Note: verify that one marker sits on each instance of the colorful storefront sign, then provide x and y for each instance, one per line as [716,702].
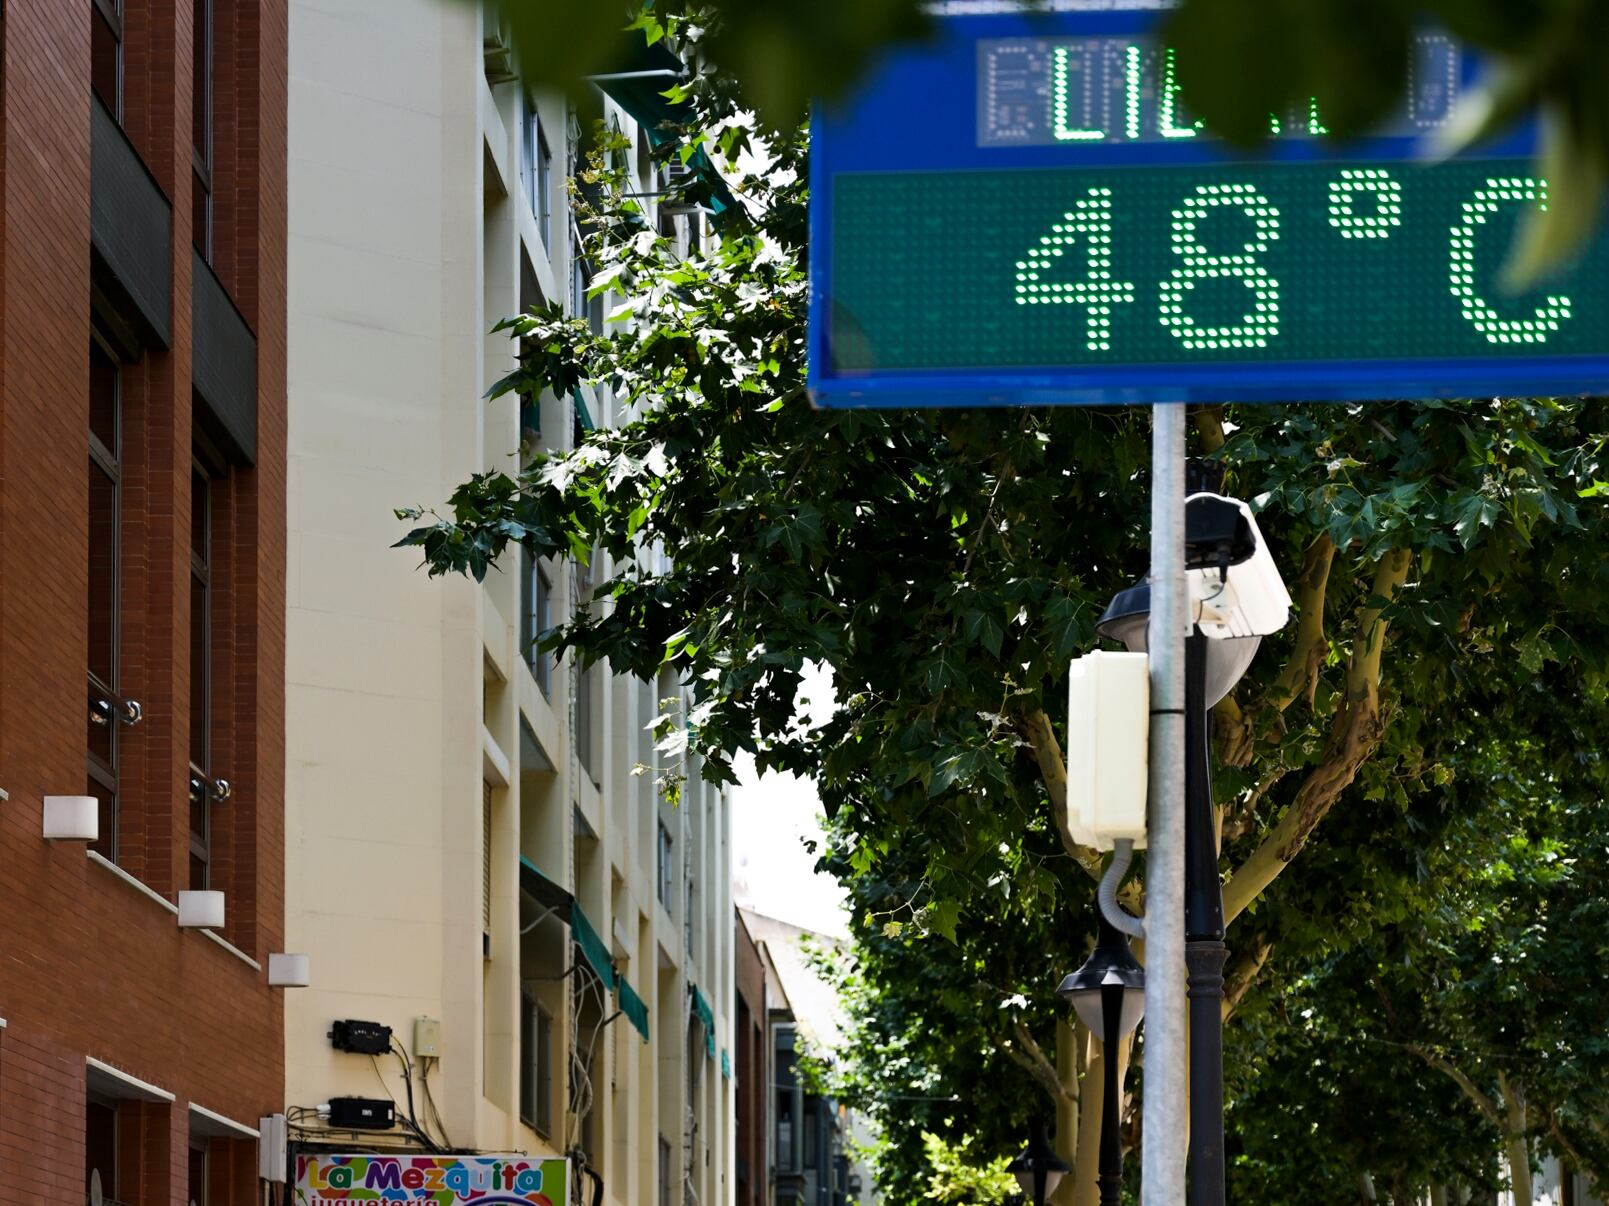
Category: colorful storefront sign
[324,1180]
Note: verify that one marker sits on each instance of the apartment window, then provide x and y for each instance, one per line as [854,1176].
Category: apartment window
[201,131]
[538,172]
[100,1149]
[585,745]
[787,1159]
[667,859]
[106,54]
[536,618]
[105,497]
[536,1071]
[207,790]
[198,1174]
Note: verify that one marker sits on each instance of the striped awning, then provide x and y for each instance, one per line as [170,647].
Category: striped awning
[633,1006]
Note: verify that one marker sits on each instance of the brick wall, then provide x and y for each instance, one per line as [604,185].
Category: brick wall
[89,965]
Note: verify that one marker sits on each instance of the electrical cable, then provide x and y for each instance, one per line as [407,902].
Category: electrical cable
[412,1123]
[401,1053]
[430,1100]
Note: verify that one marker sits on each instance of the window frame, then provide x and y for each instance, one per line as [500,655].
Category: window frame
[538,173]
[104,702]
[208,468]
[536,618]
[665,879]
[110,11]
[536,1068]
[201,158]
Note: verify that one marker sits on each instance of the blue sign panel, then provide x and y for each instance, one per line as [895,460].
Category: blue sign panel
[1026,214]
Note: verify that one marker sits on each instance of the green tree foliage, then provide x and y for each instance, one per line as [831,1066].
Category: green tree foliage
[945,566]
[959,1178]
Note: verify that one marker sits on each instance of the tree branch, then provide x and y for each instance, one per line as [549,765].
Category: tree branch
[1299,676]
[1028,1054]
[1357,732]
[1242,973]
[1041,738]
[1483,1103]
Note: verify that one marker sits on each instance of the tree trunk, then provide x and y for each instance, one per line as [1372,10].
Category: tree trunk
[1366,1187]
[1070,1040]
[1514,1143]
[1438,1195]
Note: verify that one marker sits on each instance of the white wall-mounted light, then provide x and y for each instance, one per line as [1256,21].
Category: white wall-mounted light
[72,819]
[289,970]
[200,910]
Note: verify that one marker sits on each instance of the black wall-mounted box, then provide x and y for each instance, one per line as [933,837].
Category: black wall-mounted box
[363,1113]
[363,1038]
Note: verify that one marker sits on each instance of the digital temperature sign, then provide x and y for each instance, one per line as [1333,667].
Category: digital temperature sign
[1025,213]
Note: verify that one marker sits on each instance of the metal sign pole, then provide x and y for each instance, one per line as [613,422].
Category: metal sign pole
[1165,1129]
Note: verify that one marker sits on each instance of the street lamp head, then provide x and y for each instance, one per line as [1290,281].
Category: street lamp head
[1127,619]
[1038,1168]
[1110,965]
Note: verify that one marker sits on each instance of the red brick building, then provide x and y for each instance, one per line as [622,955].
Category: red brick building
[142,549]
[751,1025]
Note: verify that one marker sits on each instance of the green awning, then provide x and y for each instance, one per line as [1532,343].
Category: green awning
[581,411]
[546,894]
[543,891]
[701,1010]
[640,96]
[726,1064]
[633,1006]
[591,946]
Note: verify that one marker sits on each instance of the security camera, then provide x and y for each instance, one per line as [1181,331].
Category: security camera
[1235,590]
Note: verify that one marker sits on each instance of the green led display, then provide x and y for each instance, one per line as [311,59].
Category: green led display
[1196,264]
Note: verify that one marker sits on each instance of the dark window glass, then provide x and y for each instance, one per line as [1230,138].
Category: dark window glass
[106,54]
[201,130]
[101,606]
[100,1148]
[667,858]
[200,678]
[665,1195]
[785,1155]
[106,812]
[536,617]
[538,172]
[198,1176]
[102,570]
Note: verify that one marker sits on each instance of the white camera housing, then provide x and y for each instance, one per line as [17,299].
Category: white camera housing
[1249,599]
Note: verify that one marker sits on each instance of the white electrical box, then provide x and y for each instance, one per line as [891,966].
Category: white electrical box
[271,1139]
[427,1038]
[1108,744]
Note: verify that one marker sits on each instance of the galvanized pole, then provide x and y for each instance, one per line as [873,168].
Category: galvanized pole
[1164,1118]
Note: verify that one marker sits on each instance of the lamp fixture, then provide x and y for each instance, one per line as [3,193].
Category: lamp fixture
[289,970]
[1038,1169]
[200,910]
[71,819]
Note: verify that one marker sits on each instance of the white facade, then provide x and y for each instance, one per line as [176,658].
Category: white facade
[436,773]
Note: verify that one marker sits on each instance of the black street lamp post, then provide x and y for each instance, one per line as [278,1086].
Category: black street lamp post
[1204,949]
[1109,994]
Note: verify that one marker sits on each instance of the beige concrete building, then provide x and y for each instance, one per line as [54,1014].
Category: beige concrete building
[472,860]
